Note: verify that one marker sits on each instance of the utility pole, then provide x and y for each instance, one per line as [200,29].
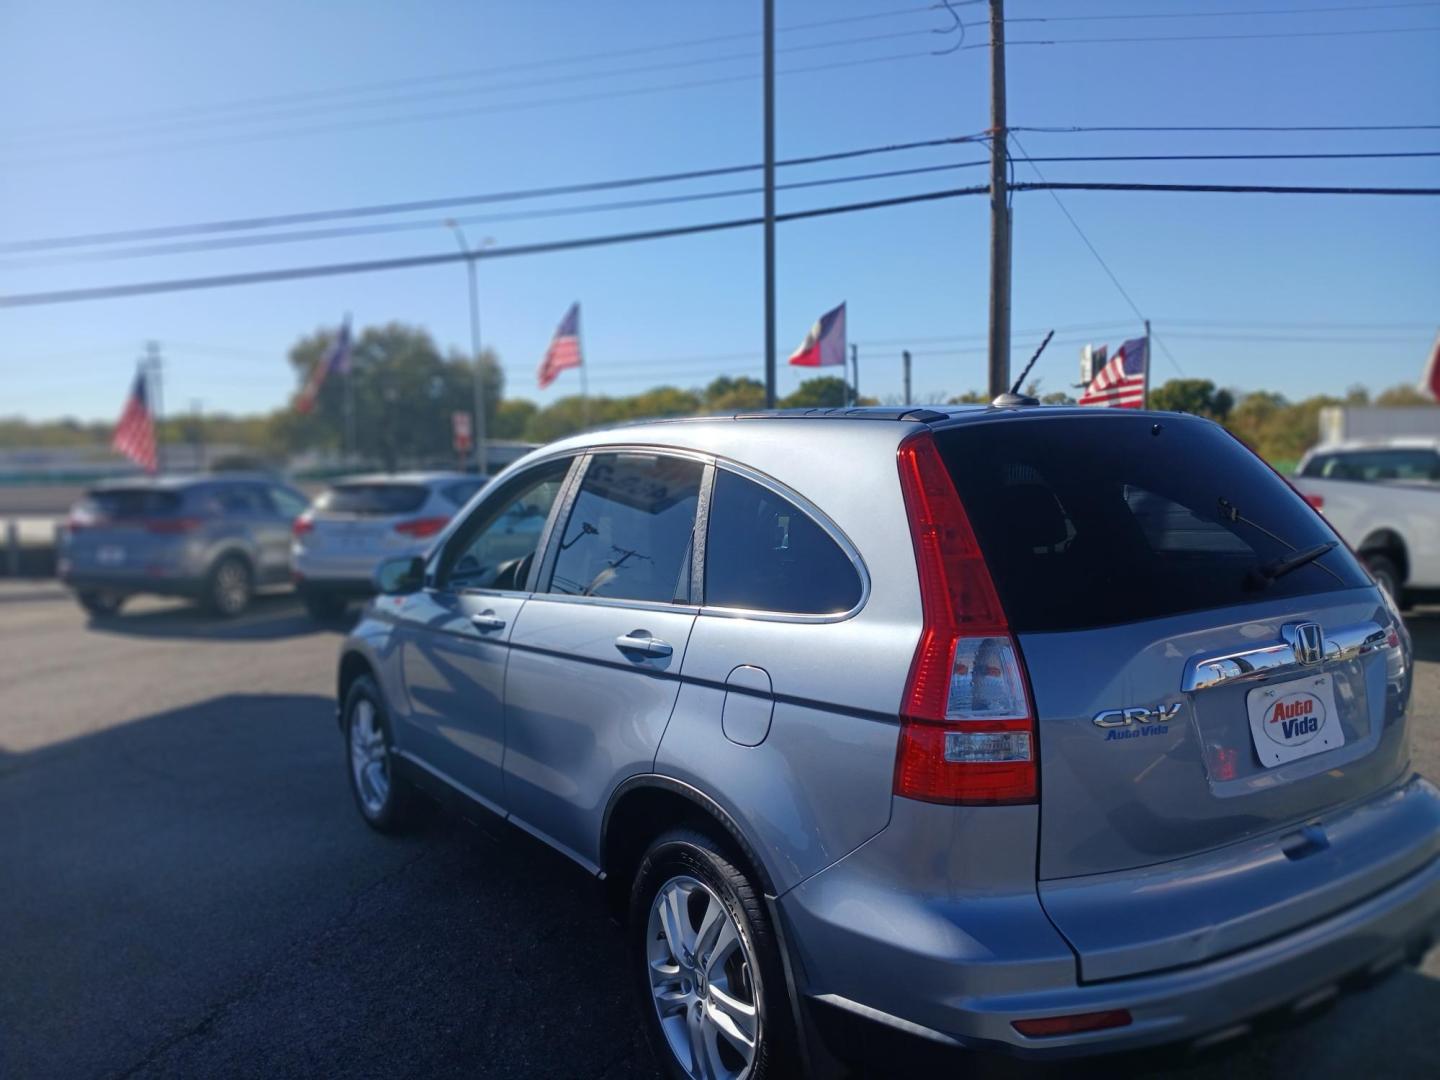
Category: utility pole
[999,209]
[478,378]
[155,376]
[769,50]
[905,361]
[855,362]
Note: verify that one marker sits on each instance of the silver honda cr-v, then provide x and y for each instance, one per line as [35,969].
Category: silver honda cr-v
[1049,731]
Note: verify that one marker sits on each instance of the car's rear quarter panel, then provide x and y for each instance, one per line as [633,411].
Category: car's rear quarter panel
[819,784]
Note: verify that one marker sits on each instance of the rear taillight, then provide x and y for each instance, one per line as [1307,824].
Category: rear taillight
[1316,501]
[967,728]
[303,525]
[422,527]
[172,526]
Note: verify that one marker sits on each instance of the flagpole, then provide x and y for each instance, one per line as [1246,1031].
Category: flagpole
[1145,399]
[348,440]
[154,376]
[584,378]
[769,105]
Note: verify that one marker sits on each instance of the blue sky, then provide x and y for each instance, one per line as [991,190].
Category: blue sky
[119,116]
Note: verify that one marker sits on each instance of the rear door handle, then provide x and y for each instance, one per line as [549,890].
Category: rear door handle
[487,620]
[639,641]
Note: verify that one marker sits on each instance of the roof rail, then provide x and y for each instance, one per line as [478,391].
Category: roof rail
[915,413]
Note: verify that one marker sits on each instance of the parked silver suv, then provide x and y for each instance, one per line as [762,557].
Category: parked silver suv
[1050,731]
[212,538]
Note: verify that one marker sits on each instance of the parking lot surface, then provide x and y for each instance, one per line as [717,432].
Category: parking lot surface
[187,891]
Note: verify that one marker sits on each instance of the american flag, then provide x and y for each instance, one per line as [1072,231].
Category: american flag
[1121,383]
[135,430]
[336,361]
[564,350]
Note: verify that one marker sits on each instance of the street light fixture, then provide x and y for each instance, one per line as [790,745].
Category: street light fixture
[481,456]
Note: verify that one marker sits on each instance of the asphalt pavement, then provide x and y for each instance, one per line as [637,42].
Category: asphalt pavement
[187,891]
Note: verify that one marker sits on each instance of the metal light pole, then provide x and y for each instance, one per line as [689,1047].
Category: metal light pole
[481,454]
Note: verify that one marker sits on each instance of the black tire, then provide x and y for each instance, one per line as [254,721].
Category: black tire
[323,606]
[694,854]
[229,587]
[100,603]
[1387,575]
[403,807]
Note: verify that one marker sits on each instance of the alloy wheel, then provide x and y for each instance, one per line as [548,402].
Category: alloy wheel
[232,587]
[369,761]
[701,977]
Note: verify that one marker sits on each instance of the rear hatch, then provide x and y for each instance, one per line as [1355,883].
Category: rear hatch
[1205,726]
[353,524]
[119,531]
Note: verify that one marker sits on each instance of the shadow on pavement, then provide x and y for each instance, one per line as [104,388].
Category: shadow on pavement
[270,617]
[1425,633]
[194,894]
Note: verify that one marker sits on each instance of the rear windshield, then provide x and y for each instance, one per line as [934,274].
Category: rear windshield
[377,499]
[1095,521]
[117,503]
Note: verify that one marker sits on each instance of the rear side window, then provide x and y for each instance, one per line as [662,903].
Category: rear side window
[763,553]
[630,531]
[121,503]
[1091,522]
[239,500]
[1376,465]
[376,499]
[458,493]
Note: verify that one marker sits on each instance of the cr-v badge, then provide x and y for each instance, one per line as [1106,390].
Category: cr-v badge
[1152,719]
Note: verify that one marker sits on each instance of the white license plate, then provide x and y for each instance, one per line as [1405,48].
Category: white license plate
[1294,719]
[110,555]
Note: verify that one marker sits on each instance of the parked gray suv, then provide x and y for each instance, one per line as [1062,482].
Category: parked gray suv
[214,539]
[1050,731]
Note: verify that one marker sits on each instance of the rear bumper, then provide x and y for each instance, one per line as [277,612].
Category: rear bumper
[338,585]
[913,969]
[157,583]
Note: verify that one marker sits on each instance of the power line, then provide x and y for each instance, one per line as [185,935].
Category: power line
[472,110]
[416,261]
[146,288]
[1223,37]
[390,101]
[1114,280]
[344,232]
[350,231]
[1237,189]
[385,85]
[1231,13]
[1071,129]
[381,209]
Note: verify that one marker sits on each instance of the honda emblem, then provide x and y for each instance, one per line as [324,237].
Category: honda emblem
[1309,643]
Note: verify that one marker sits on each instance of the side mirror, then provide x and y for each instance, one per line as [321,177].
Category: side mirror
[400,575]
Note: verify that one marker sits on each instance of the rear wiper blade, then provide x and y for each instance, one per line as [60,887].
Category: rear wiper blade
[1265,573]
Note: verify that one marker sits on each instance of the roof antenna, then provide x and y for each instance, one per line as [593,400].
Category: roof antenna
[1013,396]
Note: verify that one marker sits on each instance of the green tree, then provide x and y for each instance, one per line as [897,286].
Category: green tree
[826,391]
[662,401]
[1402,395]
[1197,396]
[970,397]
[404,392]
[512,418]
[727,394]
